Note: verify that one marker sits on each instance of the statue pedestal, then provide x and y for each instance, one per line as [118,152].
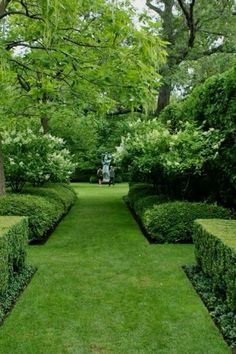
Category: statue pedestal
[105,180]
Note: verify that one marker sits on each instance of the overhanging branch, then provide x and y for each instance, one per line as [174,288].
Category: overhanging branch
[154,8]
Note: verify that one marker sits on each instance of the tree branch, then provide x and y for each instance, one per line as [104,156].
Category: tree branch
[154,8]
[189,16]
[4,13]
[83,44]
[3,7]
[124,111]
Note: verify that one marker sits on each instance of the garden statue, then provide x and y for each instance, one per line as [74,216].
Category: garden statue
[106,160]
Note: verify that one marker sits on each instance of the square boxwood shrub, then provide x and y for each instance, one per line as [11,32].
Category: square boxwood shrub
[173,221]
[13,241]
[41,212]
[215,250]
[139,190]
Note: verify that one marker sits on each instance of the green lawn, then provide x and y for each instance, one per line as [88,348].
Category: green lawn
[101,288]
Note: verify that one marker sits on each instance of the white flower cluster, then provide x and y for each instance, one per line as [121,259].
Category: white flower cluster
[150,144]
[35,158]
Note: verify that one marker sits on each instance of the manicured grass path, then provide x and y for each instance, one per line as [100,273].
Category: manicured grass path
[101,288]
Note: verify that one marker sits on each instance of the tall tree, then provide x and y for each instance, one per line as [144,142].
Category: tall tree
[194,29]
[67,52]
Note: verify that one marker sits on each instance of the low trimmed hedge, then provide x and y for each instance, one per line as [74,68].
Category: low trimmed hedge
[138,191]
[142,204]
[61,194]
[44,207]
[215,249]
[174,221]
[13,241]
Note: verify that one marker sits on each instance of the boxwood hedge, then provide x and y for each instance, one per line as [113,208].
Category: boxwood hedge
[215,249]
[174,221]
[13,241]
[44,207]
[138,191]
[142,204]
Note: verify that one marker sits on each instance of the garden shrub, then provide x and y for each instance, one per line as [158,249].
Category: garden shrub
[42,214]
[59,194]
[118,178]
[13,241]
[93,179]
[139,190]
[174,221]
[35,158]
[215,249]
[80,175]
[211,105]
[142,204]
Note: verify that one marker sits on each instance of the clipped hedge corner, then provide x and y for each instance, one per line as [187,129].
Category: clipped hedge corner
[215,250]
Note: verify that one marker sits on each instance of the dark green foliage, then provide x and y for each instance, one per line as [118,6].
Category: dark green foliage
[142,204]
[42,214]
[17,283]
[174,221]
[139,190]
[215,250]
[118,179]
[44,206]
[82,175]
[93,179]
[222,315]
[213,106]
[59,194]
[13,241]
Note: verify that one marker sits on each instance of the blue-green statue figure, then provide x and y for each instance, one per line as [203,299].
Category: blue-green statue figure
[106,160]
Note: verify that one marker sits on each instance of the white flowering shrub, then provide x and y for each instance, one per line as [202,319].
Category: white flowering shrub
[152,146]
[35,158]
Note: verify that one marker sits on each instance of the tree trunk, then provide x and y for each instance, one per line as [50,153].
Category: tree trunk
[163,97]
[44,123]
[2,175]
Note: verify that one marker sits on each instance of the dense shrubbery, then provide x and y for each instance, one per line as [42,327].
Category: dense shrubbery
[44,207]
[80,175]
[138,191]
[169,221]
[35,159]
[212,105]
[93,179]
[60,194]
[142,204]
[173,221]
[189,151]
[215,249]
[13,241]
[17,283]
[14,272]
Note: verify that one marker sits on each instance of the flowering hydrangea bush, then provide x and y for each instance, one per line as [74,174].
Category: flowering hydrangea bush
[150,145]
[35,158]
